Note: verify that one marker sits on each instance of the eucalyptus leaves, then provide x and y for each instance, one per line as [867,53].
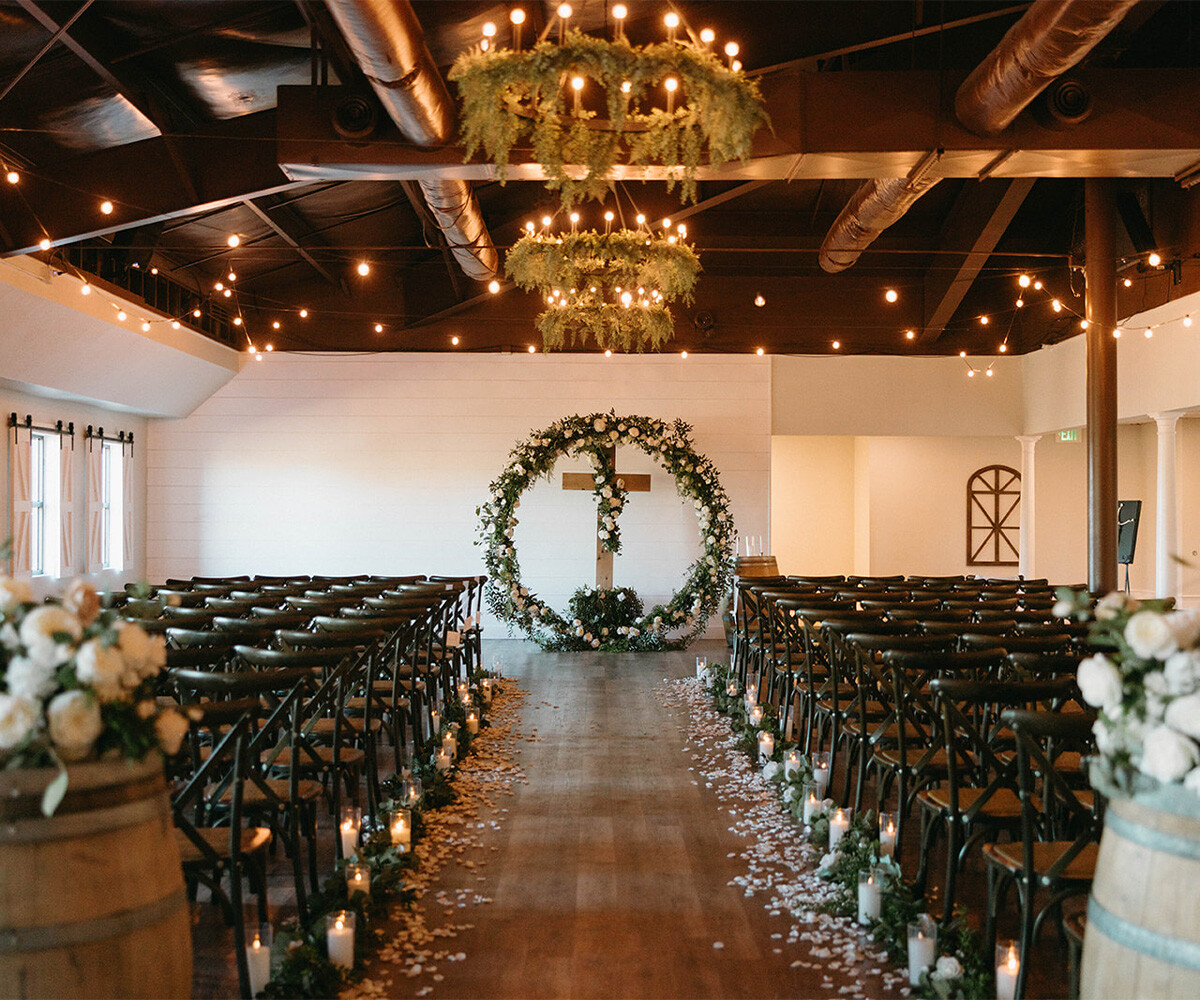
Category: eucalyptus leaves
[513,97]
[669,625]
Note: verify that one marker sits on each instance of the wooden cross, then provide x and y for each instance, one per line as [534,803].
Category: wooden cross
[585,481]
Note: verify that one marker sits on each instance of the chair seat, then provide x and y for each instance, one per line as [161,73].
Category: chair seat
[359,705]
[255,838]
[1004,804]
[350,757]
[937,762]
[1082,868]
[325,727]
[252,795]
[890,734]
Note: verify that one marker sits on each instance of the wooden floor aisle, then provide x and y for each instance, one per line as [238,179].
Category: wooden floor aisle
[613,862]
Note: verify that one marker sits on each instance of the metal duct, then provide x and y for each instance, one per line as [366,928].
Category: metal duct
[874,206]
[1051,37]
[386,39]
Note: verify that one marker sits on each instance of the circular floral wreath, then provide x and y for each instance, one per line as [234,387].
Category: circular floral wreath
[665,626]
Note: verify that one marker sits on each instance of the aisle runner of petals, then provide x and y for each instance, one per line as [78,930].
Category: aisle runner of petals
[781,865]
[422,934]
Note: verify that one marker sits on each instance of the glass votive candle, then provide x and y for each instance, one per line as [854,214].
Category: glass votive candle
[812,801]
[339,937]
[485,690]
[756,715]
[258,958]
[839,823]
[450,745]
[887,835]
[358,879]
[442,761]
[766,746]
[731,688]
[349,829]
[922,947]
[400,827]
[435,722]
[870,896]
[411,791]
[791,763]
[701,667]
[464,690]
[1008,968]
[820,768]
[472,722]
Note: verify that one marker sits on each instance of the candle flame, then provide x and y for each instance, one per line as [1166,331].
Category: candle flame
[1012,962]
[338,925]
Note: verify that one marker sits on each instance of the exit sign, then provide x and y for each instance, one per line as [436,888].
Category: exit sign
[1071,435]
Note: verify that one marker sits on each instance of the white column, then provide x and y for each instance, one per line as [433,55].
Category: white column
[1166,536]
[1025,564]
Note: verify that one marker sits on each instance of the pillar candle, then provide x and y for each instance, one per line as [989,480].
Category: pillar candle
[791,763]
[258,958]
[756,715]
[870,896]
[887,835]
[766,746]
[472,723]
[821,773]
[349,829]
[811,802]
[485,690]
[701,667]
[339,937]
[450,745]
[922,947]
[1008,967]
[400,823]
[731,689]
[839,823]
[442,763]
[435,722]
[358,879]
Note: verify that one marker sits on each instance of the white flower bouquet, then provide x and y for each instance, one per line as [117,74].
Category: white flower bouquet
[78,684]
[1144,680]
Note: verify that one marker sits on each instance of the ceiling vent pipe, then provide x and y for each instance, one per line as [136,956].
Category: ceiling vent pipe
[386,39]
[874,206]
[1051,37]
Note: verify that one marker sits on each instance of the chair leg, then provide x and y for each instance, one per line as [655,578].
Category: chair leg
[931,825]
[953,835]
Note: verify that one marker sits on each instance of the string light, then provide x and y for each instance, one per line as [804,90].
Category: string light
[12,177]
[122,315]
[219,286]
[364,268]
[983,321]
[196,312]
[1037,285]
[910,334]
[175,324]
[379,328]
[683,354]
[608,352]
[489,30]
[493,286]
[1187,320]
[1084,324]
[1154,259]
[1020,303]
[1128,282]
[44,243]
[232,276]
[891,295]
[145,326]
[708,36]
[564,11]
[760,300]
[1024,281]
[228,293]
[1056,305]
[237,320]
[760,352]
[304,314]
[1149,332]
[837,345]
[1117,333]
[454,341]
[234,240]
[532,349]
[106,207]
[1004,348]
[275,325]
[270,347]
[517,16]
[85,289]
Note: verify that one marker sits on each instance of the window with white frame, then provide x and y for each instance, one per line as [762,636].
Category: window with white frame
[44,534]
[112,506]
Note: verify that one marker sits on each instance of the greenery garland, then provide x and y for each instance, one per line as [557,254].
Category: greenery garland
[962,972]
[592,435]
[610,287]
[509,97]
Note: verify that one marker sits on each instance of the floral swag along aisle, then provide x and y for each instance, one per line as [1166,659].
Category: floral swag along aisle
[608,619]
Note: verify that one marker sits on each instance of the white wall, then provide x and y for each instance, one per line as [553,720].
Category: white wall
[812,504]
[345,464]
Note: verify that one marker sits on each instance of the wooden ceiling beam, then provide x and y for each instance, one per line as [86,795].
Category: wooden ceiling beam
[978,219]
[286,223]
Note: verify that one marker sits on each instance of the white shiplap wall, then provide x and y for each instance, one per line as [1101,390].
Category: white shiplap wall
[339,464]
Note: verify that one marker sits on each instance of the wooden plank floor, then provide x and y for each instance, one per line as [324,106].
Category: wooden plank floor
[612,870]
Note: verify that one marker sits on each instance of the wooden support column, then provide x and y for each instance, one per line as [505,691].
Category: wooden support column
[1101,275]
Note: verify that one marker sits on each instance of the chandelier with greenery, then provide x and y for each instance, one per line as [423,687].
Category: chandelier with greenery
[668,104]
[612,287]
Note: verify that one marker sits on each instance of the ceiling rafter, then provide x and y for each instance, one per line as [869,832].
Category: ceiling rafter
[288,226]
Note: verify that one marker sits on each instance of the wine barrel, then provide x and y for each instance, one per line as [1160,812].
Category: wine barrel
[1143,926]
[751,566]
[92,902]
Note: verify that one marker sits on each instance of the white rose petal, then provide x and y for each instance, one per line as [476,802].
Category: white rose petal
[1168,755]
[18,718]
[1185,626]
[39,629]
[74,724]
[32,679]
[1183,715]
[1100,682]
[1150,636]
[1182,671]
[948,967]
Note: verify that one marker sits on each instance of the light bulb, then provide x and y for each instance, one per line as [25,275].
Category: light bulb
[983,320]
[219,286]
[683,354]
[12,177]
[608,353]
[891,295]
[641,219]
[379,328]
[489,30]
[1056,305]
[1037,285]
[666,223]
[962,354]
[227,293]
[454,341]
[232,276]
[970,373]
[145,326]
[759,352]
[532,349]
[517,16]
[121,315]
[564,11]
[671,20]
[44,243]
[1084,324]
[1117,333]
[708,36]
[1149,332]
[681,229]
[626,299]
[251,349]
[545,220]
[736,65]
[196,313]
[608,216]
[671,84]
[837,345]
[988,373]
[620,12]
[1024,280]
[364,268]
[154,270]
[760,301]
[275,325]
[1004,348]
[234,240]
[237,320]
[1187,320]
[577,83]
[626,86]
[1154,259]
[574,217]
[85,289]
[106,207]
[270,347]
[175,324]
[1020,303]
[731,49]
[258,357]
[304,314]
[493,286]
[1128,283]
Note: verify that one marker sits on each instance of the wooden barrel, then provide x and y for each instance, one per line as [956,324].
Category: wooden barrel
[92,902]
[1143,926]
[750,566]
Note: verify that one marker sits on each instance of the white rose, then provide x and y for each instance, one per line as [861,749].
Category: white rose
[579,631]
[595,643]
[1062,609]
[13,593]
[1168,755]
[1183,715]
[829,860]
[587,636]
[18,718]
[1100,682]
[1185,626]
[1126,734]
[948,967]
[170,728]
[81,600]
[1150,636]
[1182,670]
[599,424]
[1109,606]
[144,654]
[603,533]
[771,770]
[1155,685]
[102,667]
[40,629]
[74,722]
[30,679]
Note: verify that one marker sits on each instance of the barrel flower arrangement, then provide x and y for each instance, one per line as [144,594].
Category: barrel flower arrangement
[1144,682]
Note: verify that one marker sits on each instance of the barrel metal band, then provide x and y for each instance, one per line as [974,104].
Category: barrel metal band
[1171,951]
[1154,840]
[52,937]
[85,823]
